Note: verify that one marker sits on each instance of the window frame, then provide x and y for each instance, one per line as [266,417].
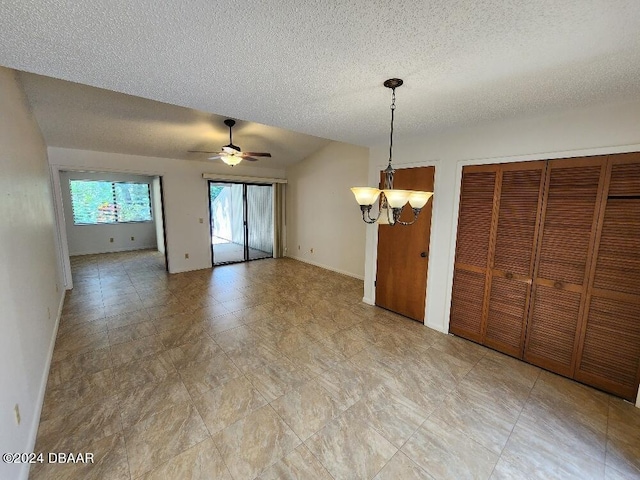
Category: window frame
[113,193]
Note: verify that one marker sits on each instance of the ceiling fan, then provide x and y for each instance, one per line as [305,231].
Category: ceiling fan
[232,154]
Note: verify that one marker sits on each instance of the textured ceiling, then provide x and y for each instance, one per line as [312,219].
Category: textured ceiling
[317,66]
[72,115]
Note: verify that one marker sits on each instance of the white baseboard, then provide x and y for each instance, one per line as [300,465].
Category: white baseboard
[436,326]
[115,250]
[326,267]
[33,431]
[368,301]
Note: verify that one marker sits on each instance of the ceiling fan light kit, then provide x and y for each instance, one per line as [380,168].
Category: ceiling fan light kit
[392,201]
[231,160]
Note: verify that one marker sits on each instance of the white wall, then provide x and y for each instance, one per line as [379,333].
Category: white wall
[157,213]
[186,196]
[321,212]
[589,131]
[86,239]
[30,282]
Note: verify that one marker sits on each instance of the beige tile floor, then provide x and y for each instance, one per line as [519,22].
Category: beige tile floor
[276,369]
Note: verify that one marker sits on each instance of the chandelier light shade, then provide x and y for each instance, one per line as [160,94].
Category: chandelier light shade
[366,195]
[392,201]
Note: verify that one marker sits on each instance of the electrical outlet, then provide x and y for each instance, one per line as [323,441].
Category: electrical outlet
[111,240]
[186,255]
[16,409]
[133,238]
[201,220]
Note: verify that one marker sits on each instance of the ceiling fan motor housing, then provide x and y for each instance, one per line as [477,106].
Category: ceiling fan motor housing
[231,146]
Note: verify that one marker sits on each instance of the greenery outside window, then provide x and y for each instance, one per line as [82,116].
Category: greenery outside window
[100,202]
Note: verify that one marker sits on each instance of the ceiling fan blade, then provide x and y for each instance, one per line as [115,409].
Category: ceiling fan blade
[249,159]
[201,151]
[215,157]
[257,154]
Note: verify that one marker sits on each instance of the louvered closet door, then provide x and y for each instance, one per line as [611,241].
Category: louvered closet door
[472,250]
[568,224]
[521,189]
[610,342]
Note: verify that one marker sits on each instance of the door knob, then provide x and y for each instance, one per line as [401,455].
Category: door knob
[423,254]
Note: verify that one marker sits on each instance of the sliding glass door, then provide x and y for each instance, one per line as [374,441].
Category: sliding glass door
[241,219]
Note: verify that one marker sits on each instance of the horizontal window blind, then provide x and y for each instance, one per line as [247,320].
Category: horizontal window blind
[101,202]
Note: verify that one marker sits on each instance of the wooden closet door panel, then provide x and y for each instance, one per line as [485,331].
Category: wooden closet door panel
[467,300]
[507,315]
[472,251]
[569,222]
[571,202]
[512,264]
[520,197]
[551,333]
[610,344]
[474,219]
[618,254]
[611,348]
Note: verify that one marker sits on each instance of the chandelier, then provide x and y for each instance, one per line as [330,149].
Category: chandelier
[392,201]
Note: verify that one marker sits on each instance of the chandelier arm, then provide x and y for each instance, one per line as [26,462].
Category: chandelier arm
[416,212]
[366,209]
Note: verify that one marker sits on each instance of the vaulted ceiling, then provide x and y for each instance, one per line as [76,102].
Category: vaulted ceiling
[317,67]
[73,115]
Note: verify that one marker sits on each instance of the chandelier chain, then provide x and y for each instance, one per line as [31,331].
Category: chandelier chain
[393,108]
[392,201]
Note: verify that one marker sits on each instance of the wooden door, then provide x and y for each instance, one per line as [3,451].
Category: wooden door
[511,267]
[471,273]
[403,251]
[609,353]
[571,201]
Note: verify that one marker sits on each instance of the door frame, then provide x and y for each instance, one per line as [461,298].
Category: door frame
[245,216]
[164,223]
[372,233]
[61,240]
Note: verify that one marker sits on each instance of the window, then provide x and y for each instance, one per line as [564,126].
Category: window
[97,201]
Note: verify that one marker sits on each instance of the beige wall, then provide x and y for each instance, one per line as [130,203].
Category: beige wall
[87,239]
[185,195]
[30,284]
[595,130]
[322,213]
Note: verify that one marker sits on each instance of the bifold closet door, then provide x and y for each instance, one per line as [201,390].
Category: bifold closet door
[475,220]
[609,353]
[497,230]
[512,263]
[571,202]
